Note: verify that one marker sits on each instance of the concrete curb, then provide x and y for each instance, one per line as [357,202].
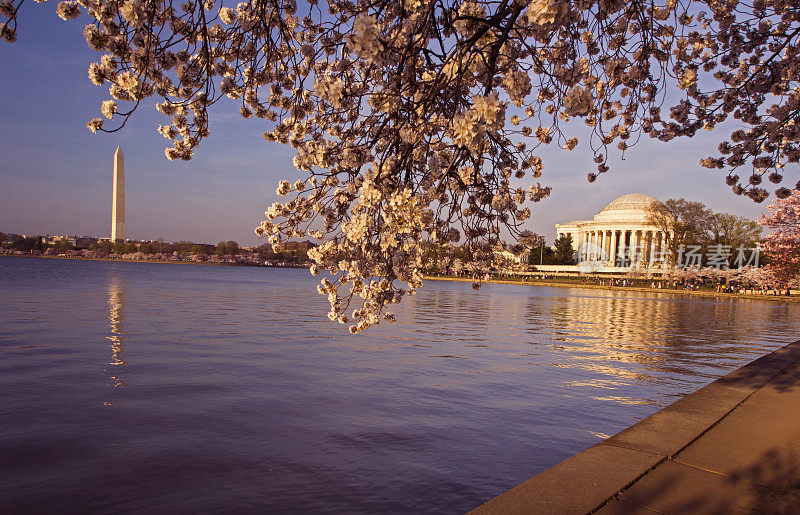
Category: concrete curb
[587,481]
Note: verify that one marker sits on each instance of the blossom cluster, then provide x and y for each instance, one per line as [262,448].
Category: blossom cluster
[782,245]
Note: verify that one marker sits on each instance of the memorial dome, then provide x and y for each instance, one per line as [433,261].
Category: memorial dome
[632,207]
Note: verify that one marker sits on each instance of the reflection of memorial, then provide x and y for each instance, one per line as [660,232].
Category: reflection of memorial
[116,316]
[617,337]
[612,321]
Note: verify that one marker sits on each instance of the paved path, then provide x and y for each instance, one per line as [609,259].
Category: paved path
[731,447]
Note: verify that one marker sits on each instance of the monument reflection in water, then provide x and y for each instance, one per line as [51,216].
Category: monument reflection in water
[116,317]
[625,348]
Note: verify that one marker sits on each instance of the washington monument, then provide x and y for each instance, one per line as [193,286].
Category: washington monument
[118,202]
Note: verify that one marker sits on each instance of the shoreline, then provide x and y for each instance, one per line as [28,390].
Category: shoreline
[545,283]
[640,289]
[157,261]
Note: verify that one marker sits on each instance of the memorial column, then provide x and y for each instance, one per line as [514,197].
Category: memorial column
[603,254]
[612,258]
[652,258]
[623,245]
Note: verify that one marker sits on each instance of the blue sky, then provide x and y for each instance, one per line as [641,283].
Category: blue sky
[55,175]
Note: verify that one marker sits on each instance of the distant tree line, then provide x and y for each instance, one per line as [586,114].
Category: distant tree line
[294,252]
[687,223]
[458,259]
[22,243]
[539,253]
[267,253]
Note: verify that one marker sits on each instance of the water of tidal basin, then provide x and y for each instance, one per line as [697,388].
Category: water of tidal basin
[175,388]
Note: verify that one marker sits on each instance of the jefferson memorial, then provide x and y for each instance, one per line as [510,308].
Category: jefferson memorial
[619,235]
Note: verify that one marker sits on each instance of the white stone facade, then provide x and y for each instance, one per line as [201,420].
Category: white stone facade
[619,235]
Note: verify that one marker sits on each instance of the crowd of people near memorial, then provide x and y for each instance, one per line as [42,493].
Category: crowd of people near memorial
[693,284]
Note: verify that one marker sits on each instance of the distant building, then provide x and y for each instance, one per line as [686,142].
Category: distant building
[619,233]
[298,245]
[52,240]
[508,256]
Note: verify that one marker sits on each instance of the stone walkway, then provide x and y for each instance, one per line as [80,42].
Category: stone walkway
[731,447]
